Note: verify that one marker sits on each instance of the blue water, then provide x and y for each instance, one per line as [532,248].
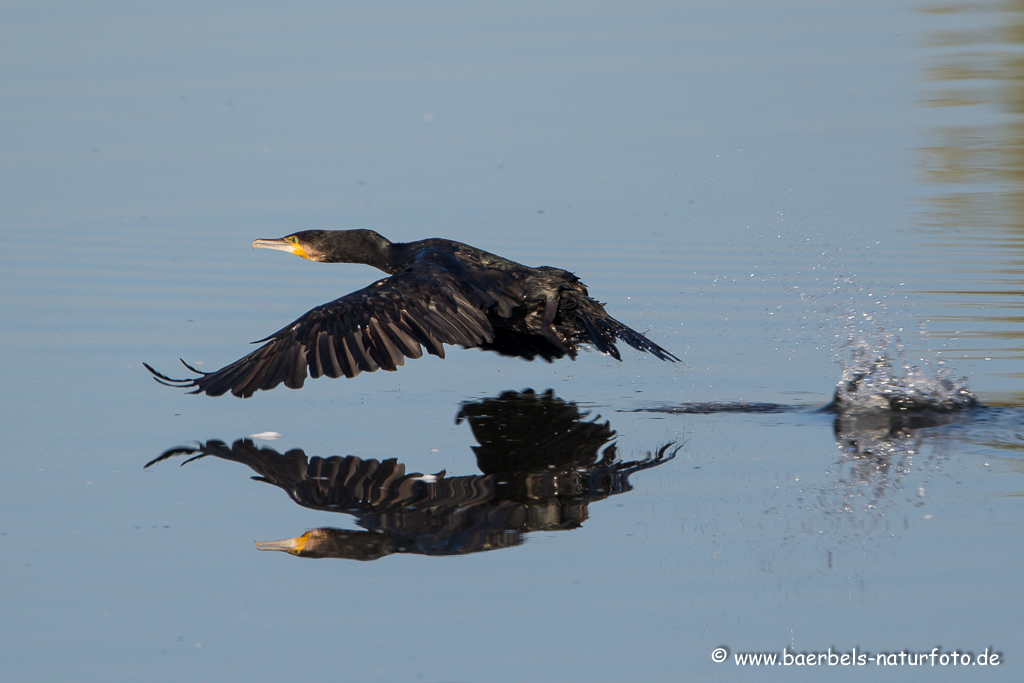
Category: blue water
[759,187]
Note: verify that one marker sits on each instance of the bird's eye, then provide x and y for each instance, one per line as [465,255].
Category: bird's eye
[293,239]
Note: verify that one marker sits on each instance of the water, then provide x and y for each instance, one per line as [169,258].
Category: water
[762,188]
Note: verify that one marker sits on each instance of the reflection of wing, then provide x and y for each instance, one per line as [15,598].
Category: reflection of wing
[345,483]
[429,304]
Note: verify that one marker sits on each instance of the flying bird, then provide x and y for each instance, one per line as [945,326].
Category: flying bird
[438,292]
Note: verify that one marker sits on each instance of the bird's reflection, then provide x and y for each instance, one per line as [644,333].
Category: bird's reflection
[542,462]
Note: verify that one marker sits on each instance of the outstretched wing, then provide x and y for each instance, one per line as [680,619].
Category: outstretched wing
[436,301]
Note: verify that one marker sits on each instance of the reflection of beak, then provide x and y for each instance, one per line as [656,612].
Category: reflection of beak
[280,245]
[288,545]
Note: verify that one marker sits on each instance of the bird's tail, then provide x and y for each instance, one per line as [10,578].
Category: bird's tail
[603,331]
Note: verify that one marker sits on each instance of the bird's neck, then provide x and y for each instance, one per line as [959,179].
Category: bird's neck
[366,247]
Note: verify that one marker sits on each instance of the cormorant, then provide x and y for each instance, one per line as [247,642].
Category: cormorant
[439,292]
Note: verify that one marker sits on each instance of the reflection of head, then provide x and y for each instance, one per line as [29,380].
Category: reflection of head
[341,543]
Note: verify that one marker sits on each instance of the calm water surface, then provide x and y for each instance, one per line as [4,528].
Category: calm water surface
[762,188]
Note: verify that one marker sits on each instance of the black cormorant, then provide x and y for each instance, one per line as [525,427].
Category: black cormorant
[439,292]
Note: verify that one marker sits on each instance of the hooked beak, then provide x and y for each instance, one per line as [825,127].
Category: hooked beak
[282,244]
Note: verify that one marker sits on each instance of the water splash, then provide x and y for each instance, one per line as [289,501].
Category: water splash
[870,382]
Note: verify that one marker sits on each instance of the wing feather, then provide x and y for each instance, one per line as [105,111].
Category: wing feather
[433,302]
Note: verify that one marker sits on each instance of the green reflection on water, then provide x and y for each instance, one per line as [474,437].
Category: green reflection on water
[975,78]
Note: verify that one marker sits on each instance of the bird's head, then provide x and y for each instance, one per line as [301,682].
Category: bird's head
[307,244]
[332,246]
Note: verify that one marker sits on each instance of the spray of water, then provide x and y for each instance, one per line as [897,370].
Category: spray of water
[872,380]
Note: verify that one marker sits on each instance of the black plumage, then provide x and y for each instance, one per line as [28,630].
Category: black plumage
[439,292]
